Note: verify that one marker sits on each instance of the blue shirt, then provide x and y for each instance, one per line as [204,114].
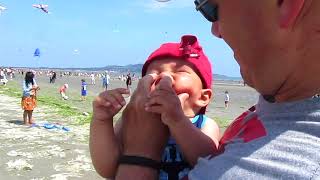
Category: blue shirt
[173,155]
[27,88]
[83,88]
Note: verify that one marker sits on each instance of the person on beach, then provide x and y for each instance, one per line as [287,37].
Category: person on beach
[105,81]
[29,97]
[3,79]
[63,91]
[93,78]
[188,69]
[226,99]
[83,90]
[53,77]
[128,81]
[276,43]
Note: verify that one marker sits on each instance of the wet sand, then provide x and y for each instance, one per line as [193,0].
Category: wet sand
[40,153]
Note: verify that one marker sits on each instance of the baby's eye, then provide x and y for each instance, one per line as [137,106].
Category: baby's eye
[182,71]
[153,72]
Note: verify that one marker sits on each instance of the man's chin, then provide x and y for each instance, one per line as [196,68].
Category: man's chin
[246,79]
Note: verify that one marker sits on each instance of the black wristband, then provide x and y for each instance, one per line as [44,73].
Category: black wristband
[140,161]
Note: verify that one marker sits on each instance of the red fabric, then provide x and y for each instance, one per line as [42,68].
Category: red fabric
[29,103]
[190,50]
[62,89]
[245,129]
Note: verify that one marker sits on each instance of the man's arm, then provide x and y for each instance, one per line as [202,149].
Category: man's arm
[143,134]
[126,172]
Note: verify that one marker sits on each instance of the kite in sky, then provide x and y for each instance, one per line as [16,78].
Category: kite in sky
[76,51]
[43,7]
[37,53]
[2,8]
[162,0]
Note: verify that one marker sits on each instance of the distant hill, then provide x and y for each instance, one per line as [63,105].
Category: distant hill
[133,68]
[136,68]
[224,77]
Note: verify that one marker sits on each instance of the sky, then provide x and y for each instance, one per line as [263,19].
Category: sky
[96,33]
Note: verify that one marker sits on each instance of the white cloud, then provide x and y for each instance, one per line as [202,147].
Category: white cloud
[115,30]
[154,6]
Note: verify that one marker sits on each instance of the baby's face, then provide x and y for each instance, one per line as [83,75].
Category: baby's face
[185,79]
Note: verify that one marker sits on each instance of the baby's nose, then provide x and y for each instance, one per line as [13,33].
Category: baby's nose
[163,75]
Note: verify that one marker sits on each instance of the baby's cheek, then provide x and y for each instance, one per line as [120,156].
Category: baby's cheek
[186,85]
[183,89]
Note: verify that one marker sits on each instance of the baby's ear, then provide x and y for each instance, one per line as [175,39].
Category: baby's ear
[204,99]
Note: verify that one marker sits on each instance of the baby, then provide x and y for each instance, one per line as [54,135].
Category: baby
[182,109]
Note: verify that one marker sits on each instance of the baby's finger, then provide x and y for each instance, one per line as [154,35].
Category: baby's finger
[100,101]
[146,82]
[155,93]
[165,83]
[154,109]
[161,92]
[183,97]
[112,100]
[102,98]
[122,90]
[117,94]
[157,100]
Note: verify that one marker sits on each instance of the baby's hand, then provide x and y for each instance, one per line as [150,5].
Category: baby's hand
[108,104]
[164,100]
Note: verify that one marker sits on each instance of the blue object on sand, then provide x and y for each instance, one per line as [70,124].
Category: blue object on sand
[51,126]
[35,125]
[65,128]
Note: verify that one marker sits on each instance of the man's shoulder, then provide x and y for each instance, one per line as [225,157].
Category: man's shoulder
[286,156]
[264,149]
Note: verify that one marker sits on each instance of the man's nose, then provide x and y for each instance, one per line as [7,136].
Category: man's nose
[215,30]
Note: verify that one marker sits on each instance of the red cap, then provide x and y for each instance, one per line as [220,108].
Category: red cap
[190,50]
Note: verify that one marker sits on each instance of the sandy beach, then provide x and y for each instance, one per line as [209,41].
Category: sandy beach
[241,97]
[40,153]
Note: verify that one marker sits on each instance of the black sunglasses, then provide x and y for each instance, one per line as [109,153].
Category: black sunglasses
[209,11]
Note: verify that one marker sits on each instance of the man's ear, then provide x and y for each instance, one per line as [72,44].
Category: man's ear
[204,99]
[289,12]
